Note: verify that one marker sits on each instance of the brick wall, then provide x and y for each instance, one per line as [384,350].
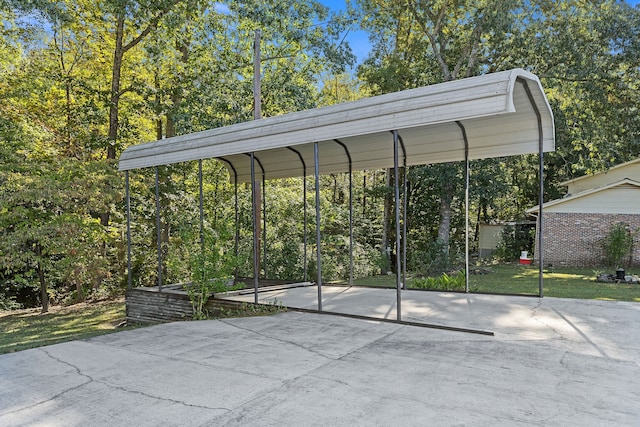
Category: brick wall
[575,239]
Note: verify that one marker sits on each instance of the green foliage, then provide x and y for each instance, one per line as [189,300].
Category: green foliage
[68,98]
[586,55]
[445,282]
[428,258]
[618,245]
[211,271]
[199,293]
[514,240]
[191,69]
[50,237]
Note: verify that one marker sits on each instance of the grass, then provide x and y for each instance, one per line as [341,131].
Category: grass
[523,280]
[23,329]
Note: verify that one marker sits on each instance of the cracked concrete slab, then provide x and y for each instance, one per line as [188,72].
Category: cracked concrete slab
[563,321]
[551,362]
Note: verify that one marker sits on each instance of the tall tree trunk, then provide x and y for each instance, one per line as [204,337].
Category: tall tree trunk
[79,293]
[114,99]
[165,172]
[116,71]
[444,226]
[44,296]
[182,46]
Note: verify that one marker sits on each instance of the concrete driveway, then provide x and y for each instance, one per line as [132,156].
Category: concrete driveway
[551,362]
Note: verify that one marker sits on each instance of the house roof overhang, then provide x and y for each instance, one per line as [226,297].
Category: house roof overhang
[493,115]
[569,198]
[583,177]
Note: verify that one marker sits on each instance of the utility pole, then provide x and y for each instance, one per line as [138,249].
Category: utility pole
[257,104]
[257,193]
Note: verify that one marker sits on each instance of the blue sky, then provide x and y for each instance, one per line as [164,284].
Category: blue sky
[358,39]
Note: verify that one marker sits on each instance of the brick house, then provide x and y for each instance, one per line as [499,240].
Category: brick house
[575,226]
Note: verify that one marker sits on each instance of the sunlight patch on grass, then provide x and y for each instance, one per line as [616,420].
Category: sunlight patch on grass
[563,276]
[28,328]
[560,282]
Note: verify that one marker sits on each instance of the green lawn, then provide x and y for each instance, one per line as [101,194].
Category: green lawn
[24,329]
[520,279]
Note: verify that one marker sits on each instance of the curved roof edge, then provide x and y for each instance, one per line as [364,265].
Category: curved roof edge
[503,113]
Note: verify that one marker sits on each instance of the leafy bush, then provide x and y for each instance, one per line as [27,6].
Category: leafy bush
[211,270]
[618,245]
[513,240]
[428,258]
[445,282]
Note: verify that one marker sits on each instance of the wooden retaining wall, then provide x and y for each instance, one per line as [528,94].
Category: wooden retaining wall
[148,306]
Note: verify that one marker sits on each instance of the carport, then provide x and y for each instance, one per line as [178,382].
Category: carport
[494,115]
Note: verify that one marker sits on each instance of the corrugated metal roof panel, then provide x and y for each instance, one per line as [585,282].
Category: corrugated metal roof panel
[494,109]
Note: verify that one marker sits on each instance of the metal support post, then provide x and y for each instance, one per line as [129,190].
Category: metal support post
[201,206]
[466,220]
[405,204]
[396,185]
[237,224]
[264,224]
[128,197]
[346,150]
[540,219]
[350,224]
[254,208]
[318,250]
[466,205]
[304,226]
[540,250]
[158,231]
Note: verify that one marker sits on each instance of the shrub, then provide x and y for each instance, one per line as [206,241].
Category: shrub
[211,269]
[445,282]
[618,245]
[513,240]
[428,258]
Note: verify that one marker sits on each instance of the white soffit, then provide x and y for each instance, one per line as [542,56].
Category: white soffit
[497,111]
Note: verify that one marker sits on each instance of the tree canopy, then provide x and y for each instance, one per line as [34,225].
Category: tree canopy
[80,81]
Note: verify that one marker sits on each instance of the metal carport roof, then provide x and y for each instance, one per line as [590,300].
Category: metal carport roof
[503,114]
[494,115]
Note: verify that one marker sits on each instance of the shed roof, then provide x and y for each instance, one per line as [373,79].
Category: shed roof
[503,114]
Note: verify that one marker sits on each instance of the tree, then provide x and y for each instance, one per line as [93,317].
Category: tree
[49,238]
[585,53]
[424,42]
[586,56]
